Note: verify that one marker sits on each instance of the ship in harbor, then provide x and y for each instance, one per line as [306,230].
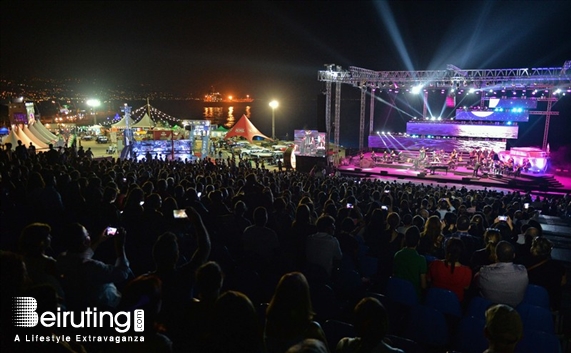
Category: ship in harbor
[215,97]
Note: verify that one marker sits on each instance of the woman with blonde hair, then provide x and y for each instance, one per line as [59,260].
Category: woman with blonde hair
[431,238]
[289,317]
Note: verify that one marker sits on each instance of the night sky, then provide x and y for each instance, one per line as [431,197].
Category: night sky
[273,49]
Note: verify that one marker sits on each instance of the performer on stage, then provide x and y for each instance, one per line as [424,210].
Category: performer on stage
[422,154]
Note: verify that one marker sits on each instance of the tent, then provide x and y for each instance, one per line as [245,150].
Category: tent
[123,123]
[144,122]
[244,128]
[39,126]
[35,139]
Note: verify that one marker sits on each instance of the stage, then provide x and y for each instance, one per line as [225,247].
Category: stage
[462,174]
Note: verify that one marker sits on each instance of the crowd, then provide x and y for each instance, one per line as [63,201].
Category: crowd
[258,260]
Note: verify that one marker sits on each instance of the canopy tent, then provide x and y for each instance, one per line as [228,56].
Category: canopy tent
[36,140]
[244,128]
[221,129]
[34,128]
[144,122]
[38,124]
[11,138]
[123,123]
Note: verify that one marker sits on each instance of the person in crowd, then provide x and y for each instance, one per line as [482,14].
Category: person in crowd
[391,243]
[486,255]
[301,228]
[449,273]
[503,282]
[21,152]
[503,330]
[543,271]
[371,323]
[523,243]
[408,264]
[193,328]
[289,316]
[259,240]
[470,242]
[444,206]
[177,280]
[322,248]
[88,282]
[431,238]
[34,241]
[236,325]
[144,293]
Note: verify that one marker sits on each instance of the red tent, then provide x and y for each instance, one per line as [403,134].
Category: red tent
[244,128]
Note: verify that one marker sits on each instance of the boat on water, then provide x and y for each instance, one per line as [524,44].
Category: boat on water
[216,97]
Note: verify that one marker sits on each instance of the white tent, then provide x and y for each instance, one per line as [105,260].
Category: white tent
[123,123]
[144,122]
[35,139]
[46,132]
[11,138]
[22,137]
[34,128]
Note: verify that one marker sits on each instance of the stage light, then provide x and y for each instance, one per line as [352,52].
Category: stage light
[416,89]
[557,91]
[472,90]
[509,123]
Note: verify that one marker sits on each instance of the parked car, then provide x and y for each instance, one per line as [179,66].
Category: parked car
[87,138]
[101,139]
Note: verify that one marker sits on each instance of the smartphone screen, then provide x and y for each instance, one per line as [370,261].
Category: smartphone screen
[349,205]
[503,218]
[111,231]
[199,194]
[526,205]
[384,207]
[142,203]
[179,213]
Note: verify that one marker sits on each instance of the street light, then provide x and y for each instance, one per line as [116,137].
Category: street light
[93,103]
[274,104]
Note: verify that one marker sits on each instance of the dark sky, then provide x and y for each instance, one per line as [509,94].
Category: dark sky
[266,48]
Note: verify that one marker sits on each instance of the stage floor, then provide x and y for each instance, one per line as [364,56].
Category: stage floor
[538,183]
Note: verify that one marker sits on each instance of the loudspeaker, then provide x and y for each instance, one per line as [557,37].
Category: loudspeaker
[321,100]
[358,169]
[384,172]
[467,179]
[421,175]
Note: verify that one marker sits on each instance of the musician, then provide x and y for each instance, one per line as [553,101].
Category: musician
[393,155]
[476,167]
[453,156]
[422,154]
[436,156]
[526,164]
[373,155]
[386,156]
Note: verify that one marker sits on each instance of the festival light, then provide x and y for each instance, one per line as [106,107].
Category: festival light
[416,89]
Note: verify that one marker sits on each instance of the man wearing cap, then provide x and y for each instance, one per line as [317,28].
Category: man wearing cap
[503,282]
[503,330]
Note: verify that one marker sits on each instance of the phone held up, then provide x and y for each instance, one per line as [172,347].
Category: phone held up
[179,213]
[111,231]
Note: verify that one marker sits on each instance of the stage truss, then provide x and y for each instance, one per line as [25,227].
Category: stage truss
[545,78]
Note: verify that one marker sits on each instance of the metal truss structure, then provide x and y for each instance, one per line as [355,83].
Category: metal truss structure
[547,78]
